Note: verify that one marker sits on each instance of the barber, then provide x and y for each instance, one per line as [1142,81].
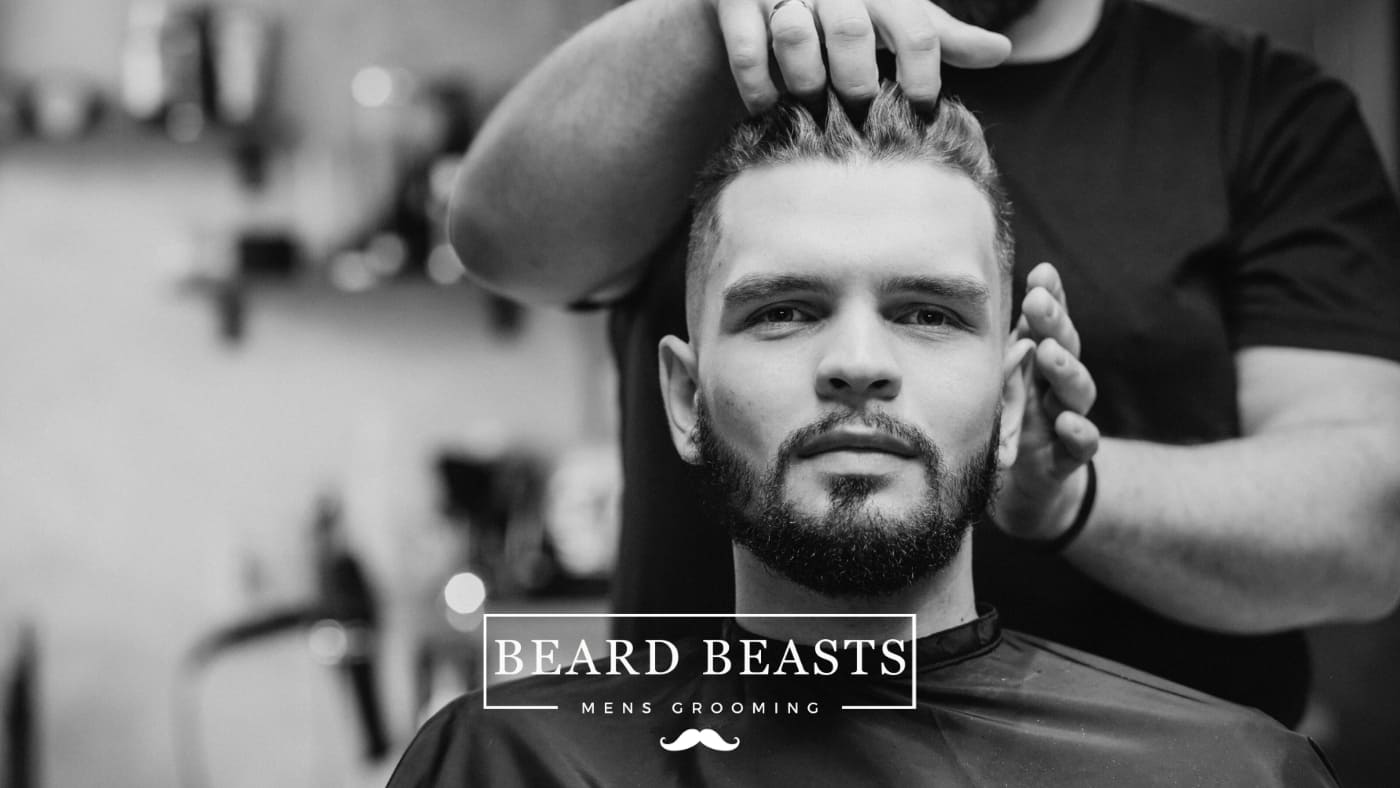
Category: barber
[1213,204]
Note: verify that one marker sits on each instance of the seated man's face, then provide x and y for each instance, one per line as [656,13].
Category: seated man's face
[849,359]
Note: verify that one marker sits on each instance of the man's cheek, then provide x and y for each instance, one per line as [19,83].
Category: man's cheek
[741,419]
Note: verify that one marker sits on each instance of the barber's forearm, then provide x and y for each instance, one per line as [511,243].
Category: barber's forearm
[588,162]
[1258,534]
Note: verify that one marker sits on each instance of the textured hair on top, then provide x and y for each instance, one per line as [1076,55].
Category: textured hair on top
[892,131]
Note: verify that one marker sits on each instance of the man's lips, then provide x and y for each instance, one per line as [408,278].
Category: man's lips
[856,439]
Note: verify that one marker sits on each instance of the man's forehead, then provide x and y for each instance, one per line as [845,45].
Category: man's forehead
[875,224]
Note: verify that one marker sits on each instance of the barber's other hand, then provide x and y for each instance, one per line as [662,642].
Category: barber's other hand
[921,35]
[1041,493]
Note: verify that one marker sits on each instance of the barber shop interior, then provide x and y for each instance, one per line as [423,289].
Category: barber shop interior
[329,346]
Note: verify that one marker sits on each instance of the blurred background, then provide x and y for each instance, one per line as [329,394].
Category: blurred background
[265,457]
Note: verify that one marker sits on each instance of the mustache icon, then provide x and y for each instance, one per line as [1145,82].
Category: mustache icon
[690,737]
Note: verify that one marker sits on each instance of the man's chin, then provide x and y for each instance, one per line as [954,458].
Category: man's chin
[891,497]
[870,512]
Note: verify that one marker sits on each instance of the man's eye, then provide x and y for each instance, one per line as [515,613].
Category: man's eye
[781,314]
[927,316]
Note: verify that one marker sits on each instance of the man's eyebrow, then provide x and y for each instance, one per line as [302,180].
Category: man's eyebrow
[964,289]
[757,287]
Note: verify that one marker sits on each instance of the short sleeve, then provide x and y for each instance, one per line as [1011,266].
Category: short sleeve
[1317,238]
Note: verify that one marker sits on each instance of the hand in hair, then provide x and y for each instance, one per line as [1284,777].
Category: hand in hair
[921,35]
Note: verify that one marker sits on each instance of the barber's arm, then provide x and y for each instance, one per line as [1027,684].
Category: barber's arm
[587,164]
[1295,523]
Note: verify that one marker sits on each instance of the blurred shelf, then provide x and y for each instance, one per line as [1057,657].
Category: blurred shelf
[122,139]
[395,307]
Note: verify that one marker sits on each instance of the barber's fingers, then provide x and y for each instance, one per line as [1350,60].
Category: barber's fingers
[910,30]
[744,27]
[1047,317]
[1065,376]
[1077,440]
[848,32]
[967,46]
[1047,276]
[797,47]
[1022,329]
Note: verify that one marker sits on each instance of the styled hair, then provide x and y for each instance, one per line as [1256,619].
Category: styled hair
[891,132]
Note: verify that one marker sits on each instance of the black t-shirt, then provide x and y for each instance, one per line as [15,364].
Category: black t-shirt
[1200,192]
[988,708]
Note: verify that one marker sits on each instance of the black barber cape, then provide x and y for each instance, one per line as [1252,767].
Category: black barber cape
[993,707]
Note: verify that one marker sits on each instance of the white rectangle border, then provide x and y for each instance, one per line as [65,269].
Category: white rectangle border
[913,646]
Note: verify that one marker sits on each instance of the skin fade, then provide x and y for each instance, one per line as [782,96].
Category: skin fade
[752,657]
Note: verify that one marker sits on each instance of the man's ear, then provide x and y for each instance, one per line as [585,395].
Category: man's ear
[680,392]
[1015,389]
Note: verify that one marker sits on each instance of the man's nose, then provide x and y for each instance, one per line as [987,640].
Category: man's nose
[859,363]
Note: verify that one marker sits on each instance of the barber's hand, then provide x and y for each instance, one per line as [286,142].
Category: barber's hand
[921,35]
[1041,493]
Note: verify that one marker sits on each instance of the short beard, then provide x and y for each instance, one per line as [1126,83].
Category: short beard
[990,14]
[849,552]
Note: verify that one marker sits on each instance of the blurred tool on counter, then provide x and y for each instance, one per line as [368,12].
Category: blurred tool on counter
[341,627]
[537,527]
[523,529]
[496,499]
[226,264]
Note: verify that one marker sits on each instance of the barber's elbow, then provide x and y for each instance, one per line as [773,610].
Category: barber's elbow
[512,253]
[1388,601]
[1377,600]
[1375,568]
[480,249]
[1386,592]
[494,254]
[1369,543]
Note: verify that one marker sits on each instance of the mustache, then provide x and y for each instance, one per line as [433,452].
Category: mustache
[690,737]
[874,419]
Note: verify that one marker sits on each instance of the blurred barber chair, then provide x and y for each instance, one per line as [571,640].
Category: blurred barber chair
[340,624]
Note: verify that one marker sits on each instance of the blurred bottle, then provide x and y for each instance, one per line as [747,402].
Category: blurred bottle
[242,43]
[185,111]
[144,87]
[188,68]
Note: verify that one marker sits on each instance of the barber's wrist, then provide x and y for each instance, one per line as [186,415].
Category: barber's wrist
[1074,515]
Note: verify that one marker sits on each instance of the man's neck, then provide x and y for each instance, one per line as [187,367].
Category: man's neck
[942,601]
[1053,29]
